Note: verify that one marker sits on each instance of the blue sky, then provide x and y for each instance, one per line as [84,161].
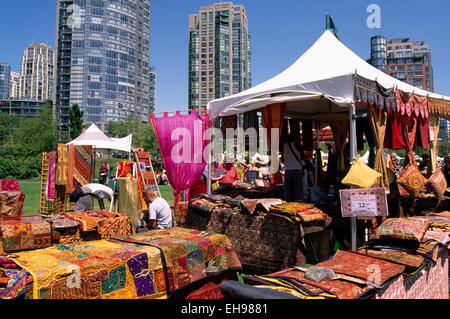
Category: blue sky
[281,32]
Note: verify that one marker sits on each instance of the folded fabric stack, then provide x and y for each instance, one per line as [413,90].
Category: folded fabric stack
[65,231]
[148,265]
[412,242]
[302,212]
[294,283]
[11,203]
[25,233]
[101,224]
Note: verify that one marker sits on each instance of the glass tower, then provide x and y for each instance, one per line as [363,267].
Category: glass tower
[378,53]
[5,73]
[102,59]
[219,53]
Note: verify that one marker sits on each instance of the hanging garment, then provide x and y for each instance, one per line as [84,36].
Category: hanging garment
[422,134]
[394,140]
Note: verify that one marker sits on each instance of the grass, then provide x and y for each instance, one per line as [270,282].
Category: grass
[32,191]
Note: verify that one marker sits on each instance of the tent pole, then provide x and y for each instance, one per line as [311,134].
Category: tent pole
[353,151]
[317,154]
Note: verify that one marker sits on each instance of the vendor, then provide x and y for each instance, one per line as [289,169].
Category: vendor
[231,176]
[292,156]
[104,173]
[159,215]
[82,197]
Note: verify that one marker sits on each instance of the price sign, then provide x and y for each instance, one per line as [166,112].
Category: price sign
[368,202]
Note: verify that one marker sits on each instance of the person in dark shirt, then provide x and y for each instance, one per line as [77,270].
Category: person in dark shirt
[424,165]
[446,169]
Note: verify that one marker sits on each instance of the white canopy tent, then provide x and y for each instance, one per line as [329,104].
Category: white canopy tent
[95,137]
[320,81]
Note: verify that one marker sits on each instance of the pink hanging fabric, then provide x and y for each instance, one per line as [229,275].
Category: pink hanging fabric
[51,179]
[180,138]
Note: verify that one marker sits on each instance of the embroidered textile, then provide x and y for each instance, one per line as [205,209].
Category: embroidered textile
[361,175]
[16,281]
[10,185]
[403,228]
[398,257]
[439,107]
[360,265]
[80,163]
[412,180]
[11,203]
[51,177]
[438,184]
[106,224]
[62,165]
[293,207]
[373,94]
[26,233]
[340,288]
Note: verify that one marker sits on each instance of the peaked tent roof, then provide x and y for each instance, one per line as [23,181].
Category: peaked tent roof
[95,137]
[319,82]
[125,141]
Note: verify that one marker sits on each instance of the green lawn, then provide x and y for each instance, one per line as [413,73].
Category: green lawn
[32,190]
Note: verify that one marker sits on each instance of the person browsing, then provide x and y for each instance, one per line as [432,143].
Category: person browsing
[159,212]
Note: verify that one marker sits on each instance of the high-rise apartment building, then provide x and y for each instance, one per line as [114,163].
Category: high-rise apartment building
[5,73]
[37,73]
[102,59]
[219,53]
[408,61]
[152,91]
[14,85]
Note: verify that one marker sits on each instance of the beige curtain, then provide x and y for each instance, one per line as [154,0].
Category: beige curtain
[378,124]
[128,200]
[433,165]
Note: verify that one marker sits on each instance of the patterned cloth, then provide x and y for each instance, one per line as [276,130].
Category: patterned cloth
[79,166]
[203,205]
[106,224]
[337,289]
[398,257]
[27,233]
[438,184]
[412,180]
[62,164]
[60,221]
[51,177]
[371,93]
[264,204]
[293,207]
[362,266]
[403,228]
[132,268]
[11,203]
[16,283]
[10,185]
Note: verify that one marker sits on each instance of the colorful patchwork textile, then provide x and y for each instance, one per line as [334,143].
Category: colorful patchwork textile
[106,224]
[112,269]
[11,203]
[203,204]
[398,257]
[412,180]
[438,184]
[362,266]
[403,228]
[80,166]
[337,288]
[441,237]
[62,164]
[181,212]
[15,283]
[264,204]
[59,221]
[51,177]
[30,232]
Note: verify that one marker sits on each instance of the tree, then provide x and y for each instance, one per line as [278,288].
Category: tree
[76,121]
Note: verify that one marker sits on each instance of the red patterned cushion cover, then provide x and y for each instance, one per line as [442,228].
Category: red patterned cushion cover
[438,184]
[412,180]
[403,228]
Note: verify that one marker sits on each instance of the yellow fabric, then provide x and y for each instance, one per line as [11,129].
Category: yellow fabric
[433,165]
[128,202]
[412,180]
[361,175]
[378,122]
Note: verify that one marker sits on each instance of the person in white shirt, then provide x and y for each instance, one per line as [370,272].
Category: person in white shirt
[159,212]
[82,197]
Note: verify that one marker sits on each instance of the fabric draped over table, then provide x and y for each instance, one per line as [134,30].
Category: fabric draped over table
[182,175]
[434,123]
[378,122]
[340,131]
[273,117]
